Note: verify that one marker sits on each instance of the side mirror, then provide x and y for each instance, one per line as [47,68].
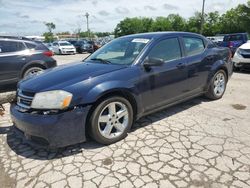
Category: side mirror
[150,62]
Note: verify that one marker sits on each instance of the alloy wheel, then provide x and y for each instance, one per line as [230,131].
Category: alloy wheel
[33,71]
[113,120]
[219,84]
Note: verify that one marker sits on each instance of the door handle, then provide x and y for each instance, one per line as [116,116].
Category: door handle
[181,65]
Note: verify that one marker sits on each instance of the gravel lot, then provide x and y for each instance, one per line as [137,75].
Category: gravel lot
[199,143]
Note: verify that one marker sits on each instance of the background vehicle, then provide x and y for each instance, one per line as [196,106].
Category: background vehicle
[63,47]
[128,78]
[233,41]
[20,58]
[216,39]
[49,46]
[241,57]
[84,46]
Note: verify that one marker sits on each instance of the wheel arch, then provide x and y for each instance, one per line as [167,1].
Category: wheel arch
[121,92]
[40,64]
[219,65]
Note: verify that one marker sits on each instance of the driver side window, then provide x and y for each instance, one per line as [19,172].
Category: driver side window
[167,50]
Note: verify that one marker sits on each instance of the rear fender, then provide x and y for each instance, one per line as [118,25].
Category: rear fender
[31,64]
[220,64]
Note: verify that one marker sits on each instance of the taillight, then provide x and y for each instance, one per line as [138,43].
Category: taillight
[48,53]
[230,45]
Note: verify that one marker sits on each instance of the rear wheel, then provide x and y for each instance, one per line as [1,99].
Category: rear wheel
[32,71]
[217,85]
[111,120]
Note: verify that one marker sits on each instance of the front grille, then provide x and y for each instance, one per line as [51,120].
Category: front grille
[245,50]
[24,99]
[246,55]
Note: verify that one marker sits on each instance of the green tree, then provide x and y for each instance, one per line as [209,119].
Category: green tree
[49,37]
[161,24]
[234,20]
[177,22]
[212,25]
[50,26]
[194,22]
[133,25]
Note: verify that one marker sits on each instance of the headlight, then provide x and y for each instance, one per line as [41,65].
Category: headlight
[238,52]
[57,99]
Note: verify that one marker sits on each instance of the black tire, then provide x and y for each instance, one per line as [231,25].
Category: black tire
[94,130]
[60,52]
[210,93]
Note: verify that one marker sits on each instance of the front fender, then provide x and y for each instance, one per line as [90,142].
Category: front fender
[106,87]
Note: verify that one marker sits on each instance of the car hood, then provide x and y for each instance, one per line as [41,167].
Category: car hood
[66,75]
[245,46]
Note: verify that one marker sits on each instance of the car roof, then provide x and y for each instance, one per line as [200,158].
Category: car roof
[17,40]
[235,34]
[161,34]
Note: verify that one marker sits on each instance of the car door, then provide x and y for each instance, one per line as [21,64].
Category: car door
[198,62]
[12,58]
[166,83]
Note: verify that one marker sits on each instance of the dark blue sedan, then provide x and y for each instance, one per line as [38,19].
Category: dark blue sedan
[128,78]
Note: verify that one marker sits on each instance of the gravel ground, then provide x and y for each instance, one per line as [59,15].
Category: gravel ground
[199,143]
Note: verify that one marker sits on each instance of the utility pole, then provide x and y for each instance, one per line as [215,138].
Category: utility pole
[202,17]
[87,17]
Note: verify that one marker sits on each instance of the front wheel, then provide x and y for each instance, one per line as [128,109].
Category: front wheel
[217,85]
[111,120]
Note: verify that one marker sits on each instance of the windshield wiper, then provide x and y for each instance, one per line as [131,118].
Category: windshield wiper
[101,60]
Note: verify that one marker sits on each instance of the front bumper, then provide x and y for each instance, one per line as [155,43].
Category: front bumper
[58,130]
[240,61]
[68,51]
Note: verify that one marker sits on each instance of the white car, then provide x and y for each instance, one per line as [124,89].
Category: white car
[63,47]
[241,57]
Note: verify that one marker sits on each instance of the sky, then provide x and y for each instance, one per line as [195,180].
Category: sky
[27,17]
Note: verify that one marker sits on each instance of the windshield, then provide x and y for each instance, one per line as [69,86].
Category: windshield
[64,44]
[121,51]
[233,38]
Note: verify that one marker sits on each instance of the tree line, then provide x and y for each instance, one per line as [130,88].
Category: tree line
[233,21]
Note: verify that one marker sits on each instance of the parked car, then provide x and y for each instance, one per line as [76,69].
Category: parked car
[126,79]
[63,47]
[20,58]
[241,57]
[216,39]
[84,46]
[233,41]
[49,46]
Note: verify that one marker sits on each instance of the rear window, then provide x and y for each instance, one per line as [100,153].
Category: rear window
[36,46]
[233,38]
[41,46]
[167,50]
[11,46]
[30,45]
[193,46]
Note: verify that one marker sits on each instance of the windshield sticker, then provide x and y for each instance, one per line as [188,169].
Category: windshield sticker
[140,40]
